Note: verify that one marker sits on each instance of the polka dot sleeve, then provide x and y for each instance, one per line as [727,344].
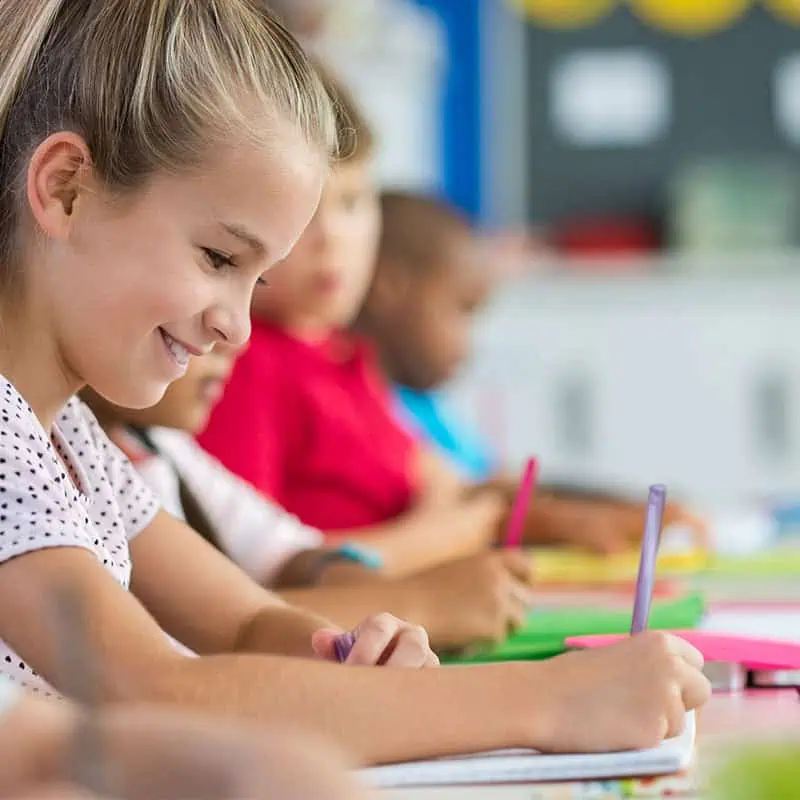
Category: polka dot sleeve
[137,503]
[39,506]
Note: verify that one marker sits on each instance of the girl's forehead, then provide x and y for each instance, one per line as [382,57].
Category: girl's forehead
[260,195]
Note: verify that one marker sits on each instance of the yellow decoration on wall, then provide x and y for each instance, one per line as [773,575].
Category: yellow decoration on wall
[564,14]
[785,10]
[691,17]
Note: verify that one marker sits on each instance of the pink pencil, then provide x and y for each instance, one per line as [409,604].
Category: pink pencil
[516,520]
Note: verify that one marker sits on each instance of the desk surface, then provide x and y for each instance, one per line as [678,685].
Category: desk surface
[758,715]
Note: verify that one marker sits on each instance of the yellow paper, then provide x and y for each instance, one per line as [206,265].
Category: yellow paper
[573,566]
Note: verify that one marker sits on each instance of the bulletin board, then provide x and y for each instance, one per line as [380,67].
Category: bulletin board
[720,100]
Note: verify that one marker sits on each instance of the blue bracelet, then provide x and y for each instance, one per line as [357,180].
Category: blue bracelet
[349,551]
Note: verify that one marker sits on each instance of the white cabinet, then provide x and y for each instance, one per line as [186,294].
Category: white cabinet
[693,381]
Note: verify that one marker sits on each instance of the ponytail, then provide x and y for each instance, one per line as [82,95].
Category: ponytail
[24,26]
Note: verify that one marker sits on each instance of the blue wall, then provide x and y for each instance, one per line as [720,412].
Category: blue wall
[461,122]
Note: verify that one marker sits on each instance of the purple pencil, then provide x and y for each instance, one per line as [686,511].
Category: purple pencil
[647,562]
[343,644]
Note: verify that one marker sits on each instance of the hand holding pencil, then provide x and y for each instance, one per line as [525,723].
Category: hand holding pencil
[639,691]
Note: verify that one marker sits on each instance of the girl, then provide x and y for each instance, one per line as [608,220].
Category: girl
[157,157]
[459,604]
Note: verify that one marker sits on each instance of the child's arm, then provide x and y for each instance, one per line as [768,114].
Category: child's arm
[558,515]
[466,602]
[432,534]
[594,519]
[629,695]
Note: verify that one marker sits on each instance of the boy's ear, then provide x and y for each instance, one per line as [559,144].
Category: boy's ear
[389,288]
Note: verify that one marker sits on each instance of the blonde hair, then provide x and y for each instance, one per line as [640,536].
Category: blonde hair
[149,84]
[355,137]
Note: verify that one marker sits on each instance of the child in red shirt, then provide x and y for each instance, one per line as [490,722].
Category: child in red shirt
[308,419]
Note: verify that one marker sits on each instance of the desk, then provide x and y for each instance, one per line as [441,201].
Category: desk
[754,715]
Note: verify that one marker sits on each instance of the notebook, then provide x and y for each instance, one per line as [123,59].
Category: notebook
[529,766]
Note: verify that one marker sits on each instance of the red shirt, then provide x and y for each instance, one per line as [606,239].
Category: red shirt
[311,426]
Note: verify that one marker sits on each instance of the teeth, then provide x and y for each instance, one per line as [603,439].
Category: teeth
[182,355]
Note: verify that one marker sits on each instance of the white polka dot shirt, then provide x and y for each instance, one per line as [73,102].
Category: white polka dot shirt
[71,489]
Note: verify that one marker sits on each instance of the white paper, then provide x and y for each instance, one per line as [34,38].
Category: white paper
[503,766]
[786,98]
[764,623]
[610,98]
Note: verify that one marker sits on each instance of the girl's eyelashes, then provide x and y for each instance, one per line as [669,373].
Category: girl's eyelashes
[216,259]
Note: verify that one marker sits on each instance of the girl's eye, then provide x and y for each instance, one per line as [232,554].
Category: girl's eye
[216,259]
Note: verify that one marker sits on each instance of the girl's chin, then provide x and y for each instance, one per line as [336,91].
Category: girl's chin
[143,395]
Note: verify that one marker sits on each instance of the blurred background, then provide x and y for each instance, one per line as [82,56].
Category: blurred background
[650,330]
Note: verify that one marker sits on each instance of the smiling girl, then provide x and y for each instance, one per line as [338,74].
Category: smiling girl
[156,158]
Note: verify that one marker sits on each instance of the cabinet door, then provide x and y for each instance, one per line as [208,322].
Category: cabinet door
[704,396]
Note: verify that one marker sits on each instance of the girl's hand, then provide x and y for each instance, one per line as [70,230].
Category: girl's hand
[381,640]
[630,695]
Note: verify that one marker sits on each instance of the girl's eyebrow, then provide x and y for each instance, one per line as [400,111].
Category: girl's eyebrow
[250,239]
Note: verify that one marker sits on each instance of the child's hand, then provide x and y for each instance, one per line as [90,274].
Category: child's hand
[475,599]
[381,640]
[603,526]
[626,696]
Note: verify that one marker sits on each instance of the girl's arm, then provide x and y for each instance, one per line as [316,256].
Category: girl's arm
[136,663]
[625,696]
[211,606]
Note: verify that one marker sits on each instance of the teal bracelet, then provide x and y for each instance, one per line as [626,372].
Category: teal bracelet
[349,553]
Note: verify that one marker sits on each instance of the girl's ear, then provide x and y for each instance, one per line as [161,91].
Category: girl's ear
[56,176]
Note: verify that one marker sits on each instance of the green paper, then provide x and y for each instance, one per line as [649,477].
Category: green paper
[545,631]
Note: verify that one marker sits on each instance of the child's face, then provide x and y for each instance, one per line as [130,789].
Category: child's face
[143,283]
[431,331]
[321,285]
[189,401]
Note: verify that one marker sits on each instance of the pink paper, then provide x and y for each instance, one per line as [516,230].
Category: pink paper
[751,652]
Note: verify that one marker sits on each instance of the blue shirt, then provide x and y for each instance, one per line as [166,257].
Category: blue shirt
[430,418]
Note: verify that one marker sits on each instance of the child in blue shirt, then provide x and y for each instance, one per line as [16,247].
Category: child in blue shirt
[431,278]
[430,416]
